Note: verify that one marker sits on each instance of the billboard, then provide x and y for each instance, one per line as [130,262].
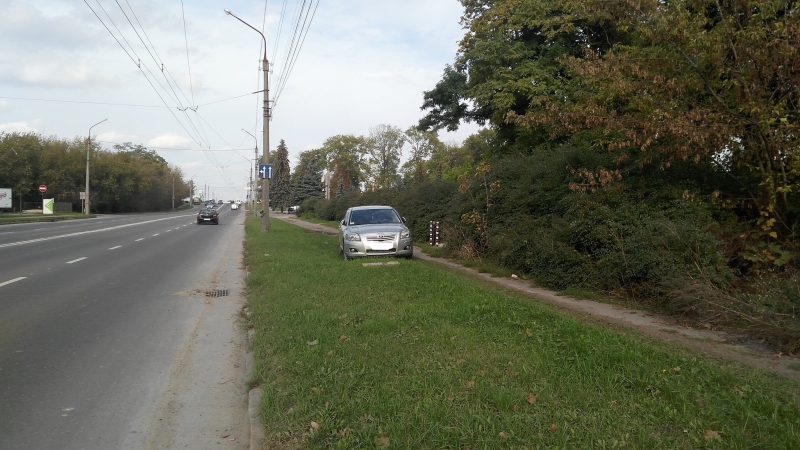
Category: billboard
[5,198]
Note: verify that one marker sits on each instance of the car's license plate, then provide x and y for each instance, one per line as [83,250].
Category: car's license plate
[206,219]
[382,245]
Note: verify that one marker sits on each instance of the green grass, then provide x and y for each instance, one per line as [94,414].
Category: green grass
[410,356]
[15,218]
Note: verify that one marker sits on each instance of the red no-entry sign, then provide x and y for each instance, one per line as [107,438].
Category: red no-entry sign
[42,189]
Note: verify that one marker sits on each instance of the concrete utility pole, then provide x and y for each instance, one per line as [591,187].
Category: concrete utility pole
[88,148]
[265,137]
[252,184]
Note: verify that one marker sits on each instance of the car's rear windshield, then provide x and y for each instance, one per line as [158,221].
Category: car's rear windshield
[374,216]
[208,211]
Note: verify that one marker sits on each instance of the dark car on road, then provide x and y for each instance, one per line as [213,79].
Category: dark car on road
[208,216]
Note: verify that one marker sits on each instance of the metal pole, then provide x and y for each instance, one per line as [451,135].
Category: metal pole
[88,148]
[19,186]
[252,183]
[265,137]
[265,155]
[173,191]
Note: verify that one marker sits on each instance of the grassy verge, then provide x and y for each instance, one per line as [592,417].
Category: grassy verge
[17,218]
[409,356]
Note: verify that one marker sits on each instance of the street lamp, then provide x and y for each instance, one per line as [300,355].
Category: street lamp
[20,182]
[265,136]
[191,191]
[88,147]
[252,184]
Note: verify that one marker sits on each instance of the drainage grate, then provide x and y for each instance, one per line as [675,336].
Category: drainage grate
[218,293]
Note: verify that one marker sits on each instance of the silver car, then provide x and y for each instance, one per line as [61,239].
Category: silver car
[374,231]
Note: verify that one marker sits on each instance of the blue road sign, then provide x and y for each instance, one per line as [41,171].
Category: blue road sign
[265,171]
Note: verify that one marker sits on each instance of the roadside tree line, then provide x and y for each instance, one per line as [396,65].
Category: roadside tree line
[129,179]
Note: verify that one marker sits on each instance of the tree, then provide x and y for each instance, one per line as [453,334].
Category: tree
[420,145]
[307,177]
[280,192]
[344,158]
[448,161]
[701,81]
[385,148]
[509,63]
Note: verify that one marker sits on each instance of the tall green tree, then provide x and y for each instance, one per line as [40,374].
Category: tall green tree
[509,62]
[345,159]
[280,193]
[420,147]
[384,149]
[307,177]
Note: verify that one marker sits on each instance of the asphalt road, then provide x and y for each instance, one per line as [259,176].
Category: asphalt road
[109,339]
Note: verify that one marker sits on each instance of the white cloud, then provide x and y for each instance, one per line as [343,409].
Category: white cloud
[170,140]
[20,127]
[113,137]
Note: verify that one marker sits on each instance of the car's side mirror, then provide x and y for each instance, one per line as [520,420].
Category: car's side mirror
[344,223]
[403,219]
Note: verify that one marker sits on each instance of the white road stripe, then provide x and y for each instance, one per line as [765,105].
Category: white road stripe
[31,241]
[76,260]
[12,281]
[156,234]
[112,248]
[140,239]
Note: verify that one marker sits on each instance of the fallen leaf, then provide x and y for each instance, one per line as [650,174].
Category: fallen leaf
[532,398]
[315,390]
[343,337]
[553,427]
[314,342]
[330,353]
[711,434]
[676,369]
[481,372]
[461,361]
[382,441]
[344,432]
[470,384]
[515,407]
[314,425]
[528,333]
[224,435]
[503,434]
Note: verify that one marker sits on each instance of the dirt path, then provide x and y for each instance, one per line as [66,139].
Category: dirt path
[714,343]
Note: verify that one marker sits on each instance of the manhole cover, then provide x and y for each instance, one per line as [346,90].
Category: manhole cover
[218,293]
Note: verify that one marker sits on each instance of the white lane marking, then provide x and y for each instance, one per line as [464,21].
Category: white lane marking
[156,234]
[140,239]
[112,248]
[76,260]
[12,281]
[167,231]
[31,241]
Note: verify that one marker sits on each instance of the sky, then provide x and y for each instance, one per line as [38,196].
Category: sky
[357,64]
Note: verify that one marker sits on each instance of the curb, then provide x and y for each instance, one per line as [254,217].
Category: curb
[256,430]
[253,399]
